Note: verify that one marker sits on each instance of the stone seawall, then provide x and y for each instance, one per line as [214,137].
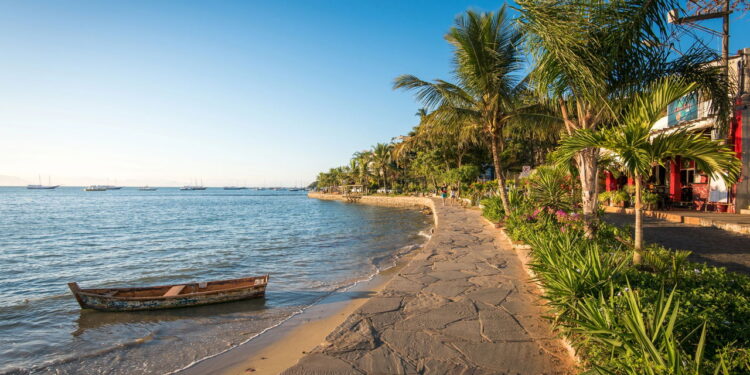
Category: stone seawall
[382,201]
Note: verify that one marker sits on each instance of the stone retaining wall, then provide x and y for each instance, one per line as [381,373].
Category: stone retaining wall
[382,201]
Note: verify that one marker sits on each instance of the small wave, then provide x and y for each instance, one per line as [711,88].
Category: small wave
[426,234]
[22,304]
[343,288]
[73,358]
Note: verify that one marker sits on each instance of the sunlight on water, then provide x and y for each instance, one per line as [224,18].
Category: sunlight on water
[138,238]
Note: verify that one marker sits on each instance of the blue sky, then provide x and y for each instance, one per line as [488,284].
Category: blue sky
[257,93]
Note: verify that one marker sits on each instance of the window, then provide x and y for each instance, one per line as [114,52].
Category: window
[687,176]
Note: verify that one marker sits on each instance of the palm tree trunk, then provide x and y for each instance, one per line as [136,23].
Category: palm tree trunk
[638,242]
[586,161]
[499,174]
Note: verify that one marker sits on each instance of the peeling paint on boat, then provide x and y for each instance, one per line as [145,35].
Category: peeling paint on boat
[94,298]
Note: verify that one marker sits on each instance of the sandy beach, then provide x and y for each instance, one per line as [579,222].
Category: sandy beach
[283,346]
[464,304]
[461,304]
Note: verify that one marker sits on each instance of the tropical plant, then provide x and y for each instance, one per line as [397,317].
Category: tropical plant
[462,175]
[605,197]
[487,93]
[381,159]
[362,161]
[650,199]
[641,341]
[549,186]
[620,197]
[492,209]
[590,55]
[573,269]
[637,150]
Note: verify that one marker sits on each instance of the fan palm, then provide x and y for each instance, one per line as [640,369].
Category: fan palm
[486,96]
[633,146]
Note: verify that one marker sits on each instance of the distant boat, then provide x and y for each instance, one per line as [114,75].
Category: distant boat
[294,189]
[147,188]
[169,296]
[112,187]
[42,187]
[95,188]
[235,188]
[194,187]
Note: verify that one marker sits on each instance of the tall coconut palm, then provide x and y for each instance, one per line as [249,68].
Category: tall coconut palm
[362,161]
[487,64]
[637,150]
[590,54]
[381,161]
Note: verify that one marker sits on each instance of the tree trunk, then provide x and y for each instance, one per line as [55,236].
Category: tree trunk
[638,242]
[586,161]
[499,174]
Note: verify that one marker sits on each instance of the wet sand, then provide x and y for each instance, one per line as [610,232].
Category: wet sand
[463,305]
[283,346]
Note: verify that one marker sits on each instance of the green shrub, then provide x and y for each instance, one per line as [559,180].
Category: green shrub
[618,316]
[493,209]
[620,196]
[551,187]
[649,199]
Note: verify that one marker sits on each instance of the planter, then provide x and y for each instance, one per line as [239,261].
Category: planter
[722,207]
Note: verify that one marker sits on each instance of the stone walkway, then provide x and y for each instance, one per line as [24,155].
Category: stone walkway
[708,244]
[463,305]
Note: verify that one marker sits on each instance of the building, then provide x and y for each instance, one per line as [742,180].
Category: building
[680,183]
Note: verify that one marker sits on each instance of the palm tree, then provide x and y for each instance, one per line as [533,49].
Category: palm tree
[633,146]
[590,54]
[381,161]
[362,163]
[486,66]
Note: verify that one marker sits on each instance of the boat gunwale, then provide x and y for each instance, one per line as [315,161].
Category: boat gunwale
[87,292]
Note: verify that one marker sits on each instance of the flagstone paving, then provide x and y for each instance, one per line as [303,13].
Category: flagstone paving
[463,305]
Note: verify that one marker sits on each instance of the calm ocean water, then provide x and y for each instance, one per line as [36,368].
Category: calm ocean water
[137,238]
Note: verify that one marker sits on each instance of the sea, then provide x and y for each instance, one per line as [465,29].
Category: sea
[120,238]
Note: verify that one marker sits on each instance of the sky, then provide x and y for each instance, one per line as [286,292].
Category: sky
[168,93]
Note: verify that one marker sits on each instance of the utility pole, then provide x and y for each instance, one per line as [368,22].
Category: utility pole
[674,18]
[690,21]
[725,40]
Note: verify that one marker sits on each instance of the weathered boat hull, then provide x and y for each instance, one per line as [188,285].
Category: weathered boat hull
[98,299]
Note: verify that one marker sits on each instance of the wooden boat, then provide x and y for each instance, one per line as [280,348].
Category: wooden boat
[169,296]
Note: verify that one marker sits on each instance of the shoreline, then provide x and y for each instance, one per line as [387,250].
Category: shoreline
[283,345]
[463,304]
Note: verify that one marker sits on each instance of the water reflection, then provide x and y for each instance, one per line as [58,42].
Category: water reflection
[93,319]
